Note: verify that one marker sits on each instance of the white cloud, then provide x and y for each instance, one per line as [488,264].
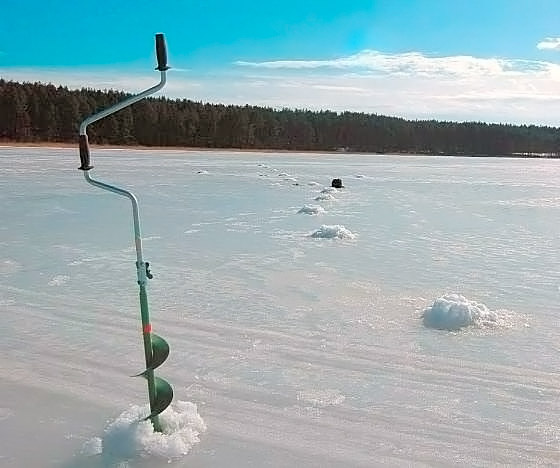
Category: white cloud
[550,43]
[411,85]
[410,63]
[515,100]
[415,85]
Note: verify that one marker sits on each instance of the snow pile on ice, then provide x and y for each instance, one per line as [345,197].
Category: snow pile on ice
[130,437]
[9,266]
[321,398]
[58,280]
[324,196]
[329,190]
[333,231]
[453,311]
[311,209]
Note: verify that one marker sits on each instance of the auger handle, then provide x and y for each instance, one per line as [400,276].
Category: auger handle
[84,153]
[161,53]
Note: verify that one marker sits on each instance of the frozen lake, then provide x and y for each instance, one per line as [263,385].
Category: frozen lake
[299,336]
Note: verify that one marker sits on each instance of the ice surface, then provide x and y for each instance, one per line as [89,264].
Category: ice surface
[296,351]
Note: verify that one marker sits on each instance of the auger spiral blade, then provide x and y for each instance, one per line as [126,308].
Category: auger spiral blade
[160,352]
[164,396]
[163,392]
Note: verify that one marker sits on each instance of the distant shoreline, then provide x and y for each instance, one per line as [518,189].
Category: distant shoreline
[52,144]
[192,149]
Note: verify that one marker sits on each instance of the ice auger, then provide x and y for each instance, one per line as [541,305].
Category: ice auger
[156,348]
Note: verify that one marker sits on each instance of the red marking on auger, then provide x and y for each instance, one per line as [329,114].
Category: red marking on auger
[148,328]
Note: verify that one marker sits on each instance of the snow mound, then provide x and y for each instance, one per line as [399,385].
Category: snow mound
[9,266]
[329,190]
[335,231]
[58,280]
[129,437]
[311,210]
[453,311]
[321,398]
[324,197]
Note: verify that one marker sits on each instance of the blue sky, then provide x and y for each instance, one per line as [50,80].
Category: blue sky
[491,60]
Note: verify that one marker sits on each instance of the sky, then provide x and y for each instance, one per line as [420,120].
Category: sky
[459,60]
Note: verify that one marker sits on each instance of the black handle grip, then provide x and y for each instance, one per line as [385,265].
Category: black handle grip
[84,153]
[161,53]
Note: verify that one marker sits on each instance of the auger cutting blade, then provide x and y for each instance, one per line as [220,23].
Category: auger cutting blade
[160,352]
[164,395]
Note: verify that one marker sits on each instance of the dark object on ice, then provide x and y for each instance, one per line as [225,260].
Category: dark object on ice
[337,183]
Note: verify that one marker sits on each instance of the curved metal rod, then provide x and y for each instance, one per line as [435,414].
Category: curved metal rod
[141,269]
[123,104]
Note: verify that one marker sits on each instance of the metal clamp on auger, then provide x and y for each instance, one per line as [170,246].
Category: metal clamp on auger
[156,348]
[148,272]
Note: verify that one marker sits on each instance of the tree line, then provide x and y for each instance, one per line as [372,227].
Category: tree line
[36,112]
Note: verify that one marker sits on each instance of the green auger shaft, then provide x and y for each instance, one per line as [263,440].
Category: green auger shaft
[156,351]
